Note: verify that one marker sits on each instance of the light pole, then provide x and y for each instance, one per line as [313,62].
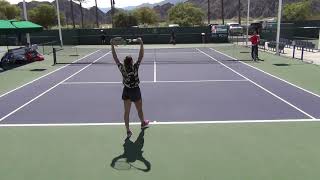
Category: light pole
[248,16]
[278,27]
[59,24]
[26,19]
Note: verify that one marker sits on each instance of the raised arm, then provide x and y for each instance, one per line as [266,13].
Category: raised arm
[141,53]
[114,54]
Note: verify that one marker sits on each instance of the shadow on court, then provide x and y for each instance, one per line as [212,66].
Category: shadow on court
[132,153]
[243,60]
[4,68]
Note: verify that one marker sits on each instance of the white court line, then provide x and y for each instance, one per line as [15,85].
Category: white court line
[152,53]
[154,71]
[149,82]
[83,83]
[305,113]
[268,74]
[46,75]
[162,123]
[14,111]
[203,81]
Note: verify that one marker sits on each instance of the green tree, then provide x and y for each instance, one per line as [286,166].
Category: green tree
[123,19]
[44,14]
[186,14]
[146,15]
[63,20]
[297,11]
[8,11]
[2,16]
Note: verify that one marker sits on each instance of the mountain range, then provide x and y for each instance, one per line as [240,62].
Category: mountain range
[259,9]
[147,5]
[104,14]
[65,8]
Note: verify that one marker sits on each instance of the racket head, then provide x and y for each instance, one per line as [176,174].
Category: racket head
[119,41]
[139,165]
[122,164]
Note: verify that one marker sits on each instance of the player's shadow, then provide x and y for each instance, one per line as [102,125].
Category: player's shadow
[132,153]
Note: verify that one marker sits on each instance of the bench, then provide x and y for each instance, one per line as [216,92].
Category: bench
[287,42]
[262,44]
[309,46]
[272,46]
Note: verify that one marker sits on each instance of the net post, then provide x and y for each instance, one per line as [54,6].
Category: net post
[54,56]
[52,46]
[77,52]
[302,51]
[237,40]
[233,49]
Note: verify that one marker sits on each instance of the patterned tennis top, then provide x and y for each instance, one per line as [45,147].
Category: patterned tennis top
[130,76]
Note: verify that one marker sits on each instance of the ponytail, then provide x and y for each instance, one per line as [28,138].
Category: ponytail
[128,64]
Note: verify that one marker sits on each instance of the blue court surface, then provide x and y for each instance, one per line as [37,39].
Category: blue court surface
[178,85]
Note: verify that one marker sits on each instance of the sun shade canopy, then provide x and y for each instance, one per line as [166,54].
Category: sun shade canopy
[12,26]
[26,26]
[6,26]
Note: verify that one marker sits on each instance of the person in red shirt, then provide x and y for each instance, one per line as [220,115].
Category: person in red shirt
[255,39]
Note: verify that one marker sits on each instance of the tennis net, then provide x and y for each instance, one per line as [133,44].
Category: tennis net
[74,55]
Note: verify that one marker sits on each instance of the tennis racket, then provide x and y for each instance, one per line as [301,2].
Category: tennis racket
[123,164]
[121,41]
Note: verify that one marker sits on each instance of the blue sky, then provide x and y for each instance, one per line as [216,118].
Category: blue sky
[104,3]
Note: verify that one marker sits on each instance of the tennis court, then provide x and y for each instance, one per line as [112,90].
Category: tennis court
[178,85]
[201,89]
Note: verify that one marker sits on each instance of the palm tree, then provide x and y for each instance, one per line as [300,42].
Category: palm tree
[81,10]
[112,12]
[72,15]
[222,11]
[239,11]
[209,12]
[97,20]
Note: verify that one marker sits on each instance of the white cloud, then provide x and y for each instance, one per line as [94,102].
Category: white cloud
[104,3]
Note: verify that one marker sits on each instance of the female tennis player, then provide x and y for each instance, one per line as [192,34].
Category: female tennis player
[131,91]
